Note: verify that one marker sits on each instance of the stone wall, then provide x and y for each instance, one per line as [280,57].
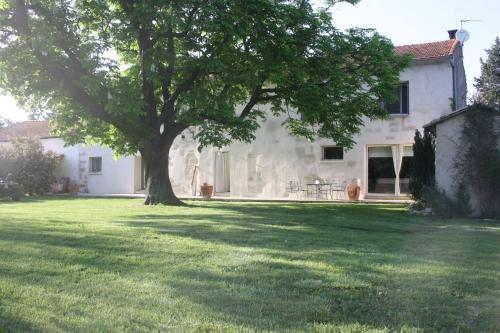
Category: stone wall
[263,168]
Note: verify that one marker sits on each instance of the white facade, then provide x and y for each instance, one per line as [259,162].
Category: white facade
[264,167]
[116,176]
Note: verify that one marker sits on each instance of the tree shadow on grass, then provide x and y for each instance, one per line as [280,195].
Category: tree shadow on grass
[268,266]
[284,296]
[15,324]
[325,265]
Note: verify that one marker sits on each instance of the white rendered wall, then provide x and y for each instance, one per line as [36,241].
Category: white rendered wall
[262,168]
[117,175]
[68,167]
[447,144]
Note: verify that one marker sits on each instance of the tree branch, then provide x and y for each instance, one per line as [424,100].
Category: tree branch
[59,75]
[170,34]
[145,44]
[258,98]
[185,85]
[145,50]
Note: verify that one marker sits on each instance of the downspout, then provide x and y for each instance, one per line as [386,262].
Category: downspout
[453,79]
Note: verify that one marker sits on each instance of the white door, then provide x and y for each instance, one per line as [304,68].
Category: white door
[222,171]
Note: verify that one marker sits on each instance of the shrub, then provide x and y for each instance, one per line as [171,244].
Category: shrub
[29,165]
[6,162]
[422,169]
[478,164]
[444,206]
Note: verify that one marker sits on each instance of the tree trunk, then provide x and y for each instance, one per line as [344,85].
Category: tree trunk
[159,188]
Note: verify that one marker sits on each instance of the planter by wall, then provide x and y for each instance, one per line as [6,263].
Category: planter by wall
[206,190]
[73,189]
[354,190]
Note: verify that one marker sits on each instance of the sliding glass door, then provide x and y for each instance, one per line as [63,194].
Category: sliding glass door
[388,169]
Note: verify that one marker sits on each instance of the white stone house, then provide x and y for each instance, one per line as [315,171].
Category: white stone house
[92,167]
[432,86]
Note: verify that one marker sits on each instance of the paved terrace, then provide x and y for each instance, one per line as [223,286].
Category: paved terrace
[258,199]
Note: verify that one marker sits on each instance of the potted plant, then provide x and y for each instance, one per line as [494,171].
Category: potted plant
[73,188]
[354,190]
[206,190]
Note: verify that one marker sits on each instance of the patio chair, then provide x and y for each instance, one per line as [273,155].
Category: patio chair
[339,190]
[294,187]
[323,191]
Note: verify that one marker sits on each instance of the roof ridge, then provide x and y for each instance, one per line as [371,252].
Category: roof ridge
[428,50]
[427,43]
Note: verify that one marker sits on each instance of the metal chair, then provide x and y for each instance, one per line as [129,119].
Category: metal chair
[339,190]
[323,191]
[294,187]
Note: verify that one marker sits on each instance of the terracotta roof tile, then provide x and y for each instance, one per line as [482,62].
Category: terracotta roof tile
[25,129]
[429,50]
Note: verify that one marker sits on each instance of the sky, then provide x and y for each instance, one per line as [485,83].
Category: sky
[404,22]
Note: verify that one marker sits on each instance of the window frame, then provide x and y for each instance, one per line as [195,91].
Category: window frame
[400,100]
[91,170]
[332,160]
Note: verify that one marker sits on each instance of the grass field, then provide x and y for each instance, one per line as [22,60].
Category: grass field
[114,265]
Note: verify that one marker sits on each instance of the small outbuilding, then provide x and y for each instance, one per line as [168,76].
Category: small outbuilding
[451,150]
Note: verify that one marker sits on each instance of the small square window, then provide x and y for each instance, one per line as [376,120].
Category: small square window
[333,153]
[95,164]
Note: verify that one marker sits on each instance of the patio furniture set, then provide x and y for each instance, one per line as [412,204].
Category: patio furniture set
[319,190]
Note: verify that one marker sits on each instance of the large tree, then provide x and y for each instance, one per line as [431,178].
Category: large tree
[488,84]
[133,75]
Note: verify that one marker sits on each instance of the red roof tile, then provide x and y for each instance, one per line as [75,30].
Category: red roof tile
[429,50]
[25,129]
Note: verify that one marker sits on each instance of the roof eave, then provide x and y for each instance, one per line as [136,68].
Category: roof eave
[441,119]
[433,60]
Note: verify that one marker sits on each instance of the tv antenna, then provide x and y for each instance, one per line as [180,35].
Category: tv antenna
[463,35]
[465,21]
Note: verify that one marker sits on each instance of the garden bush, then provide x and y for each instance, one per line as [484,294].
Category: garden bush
[445,206]
[29,165]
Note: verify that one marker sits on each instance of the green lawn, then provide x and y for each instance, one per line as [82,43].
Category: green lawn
[114,265]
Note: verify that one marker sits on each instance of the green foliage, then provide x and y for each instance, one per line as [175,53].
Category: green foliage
[488,84]
[444,206]
[29,165]
[422,170]
[114,71]
[478,161]
[6,162]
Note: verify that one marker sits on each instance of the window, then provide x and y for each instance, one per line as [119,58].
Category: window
[389,169]
[402,104]
[95,164]
[333,153]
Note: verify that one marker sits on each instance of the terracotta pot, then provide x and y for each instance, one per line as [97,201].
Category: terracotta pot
[206,190]
[73,189]
[353,192]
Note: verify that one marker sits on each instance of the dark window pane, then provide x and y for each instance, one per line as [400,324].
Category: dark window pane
[401,105]
[381,175]
[95,164]
[333,153]
[404,175]
[404,98]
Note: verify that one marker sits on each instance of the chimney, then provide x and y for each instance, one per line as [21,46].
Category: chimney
[452,33]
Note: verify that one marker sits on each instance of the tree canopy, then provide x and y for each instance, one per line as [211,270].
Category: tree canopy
[133,75]
[488,84]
